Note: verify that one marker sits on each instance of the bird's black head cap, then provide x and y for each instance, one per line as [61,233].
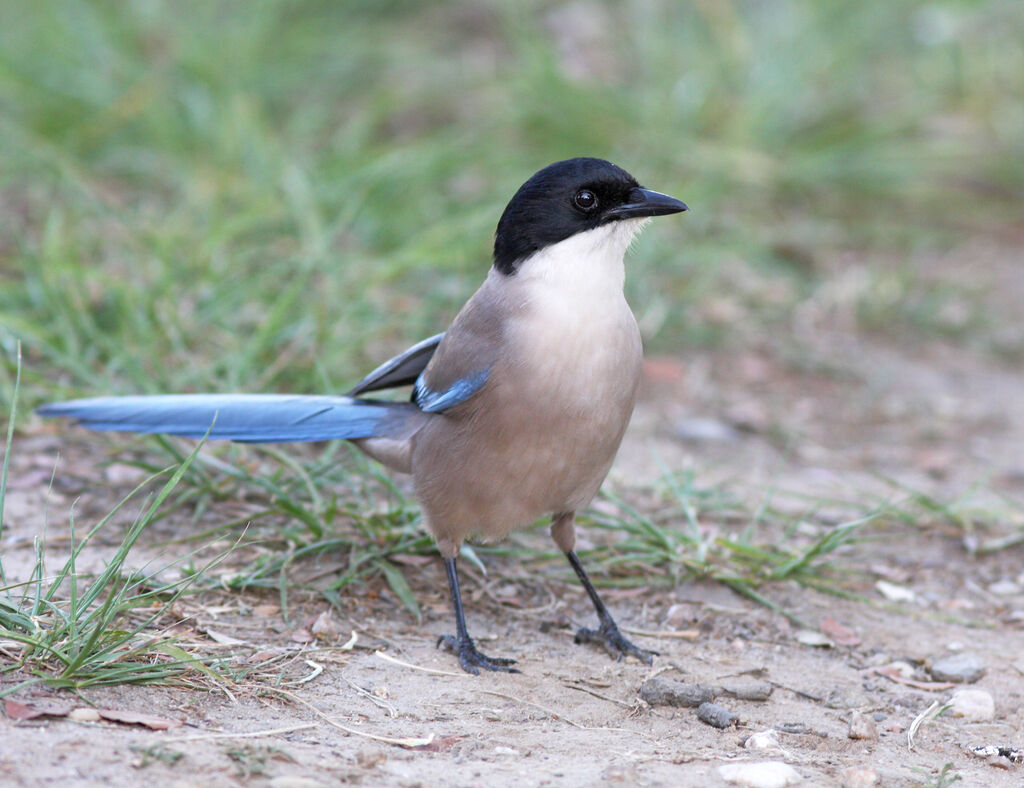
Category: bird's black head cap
[570,197]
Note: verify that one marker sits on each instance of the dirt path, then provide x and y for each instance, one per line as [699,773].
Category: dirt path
[936,418]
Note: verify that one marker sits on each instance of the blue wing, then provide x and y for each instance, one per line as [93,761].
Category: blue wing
[250,418]
[431,401]
[401,370]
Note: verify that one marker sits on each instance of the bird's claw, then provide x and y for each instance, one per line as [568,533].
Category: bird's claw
[471,659]
[611,640]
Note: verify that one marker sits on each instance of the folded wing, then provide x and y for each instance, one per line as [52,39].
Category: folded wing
[402,370]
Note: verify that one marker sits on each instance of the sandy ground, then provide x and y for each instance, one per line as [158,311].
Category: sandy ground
[855,414]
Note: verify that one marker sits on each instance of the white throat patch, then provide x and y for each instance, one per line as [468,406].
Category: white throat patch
[590,261]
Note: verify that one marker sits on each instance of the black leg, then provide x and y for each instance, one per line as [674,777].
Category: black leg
[607,634]
[461,643]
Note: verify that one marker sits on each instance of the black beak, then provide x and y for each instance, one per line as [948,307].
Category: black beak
[643,202]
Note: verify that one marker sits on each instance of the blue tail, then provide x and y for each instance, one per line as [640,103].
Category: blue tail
[249,418]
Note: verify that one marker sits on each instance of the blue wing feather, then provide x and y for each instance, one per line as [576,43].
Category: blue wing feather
[431,401]
[250,418]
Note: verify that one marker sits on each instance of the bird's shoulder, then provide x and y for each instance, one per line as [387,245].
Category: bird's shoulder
[470,348]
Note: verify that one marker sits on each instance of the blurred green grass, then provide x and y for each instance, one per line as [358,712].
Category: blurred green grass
[275,195]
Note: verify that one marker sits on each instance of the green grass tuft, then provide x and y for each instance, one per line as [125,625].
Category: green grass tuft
[74,632]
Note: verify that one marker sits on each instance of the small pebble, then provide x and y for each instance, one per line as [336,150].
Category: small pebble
[975,705]
[963,668]
[810,637]
[325,626]
[1004,588]
[860,777]
[679,616]
[895,593]
[715,716]
[878,716]
[747,690]
[845,699]
[84,715]
[705,430]
[668,692]
[903,668]
[862,727]
[763,740]
[767,774]
[877,659]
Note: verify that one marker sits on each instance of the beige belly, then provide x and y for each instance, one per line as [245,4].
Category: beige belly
[539,441]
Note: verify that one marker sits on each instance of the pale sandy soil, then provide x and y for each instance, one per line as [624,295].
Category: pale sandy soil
[937,417]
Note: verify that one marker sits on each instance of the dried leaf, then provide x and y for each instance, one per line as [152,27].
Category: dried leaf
[325,626]
[839,633]
[224,640]
[136,718]
[19,712]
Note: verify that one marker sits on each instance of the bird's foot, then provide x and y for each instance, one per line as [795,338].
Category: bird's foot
[611,640]
[471,659]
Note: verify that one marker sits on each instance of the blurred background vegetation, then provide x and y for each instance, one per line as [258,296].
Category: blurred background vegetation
[270,195]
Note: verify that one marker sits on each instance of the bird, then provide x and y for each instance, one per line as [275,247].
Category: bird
[516,411]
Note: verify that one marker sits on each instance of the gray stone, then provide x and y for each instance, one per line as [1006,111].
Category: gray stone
[846,699]
[715,716]
[668,692]
[747,690]
[958,668]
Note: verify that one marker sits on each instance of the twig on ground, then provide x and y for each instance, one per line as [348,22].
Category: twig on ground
[249,735]
[407,743]
[391,659]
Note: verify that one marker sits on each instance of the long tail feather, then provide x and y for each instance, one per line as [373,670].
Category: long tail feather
[249,418]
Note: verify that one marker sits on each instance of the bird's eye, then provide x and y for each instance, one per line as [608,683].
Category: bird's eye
[585,200]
